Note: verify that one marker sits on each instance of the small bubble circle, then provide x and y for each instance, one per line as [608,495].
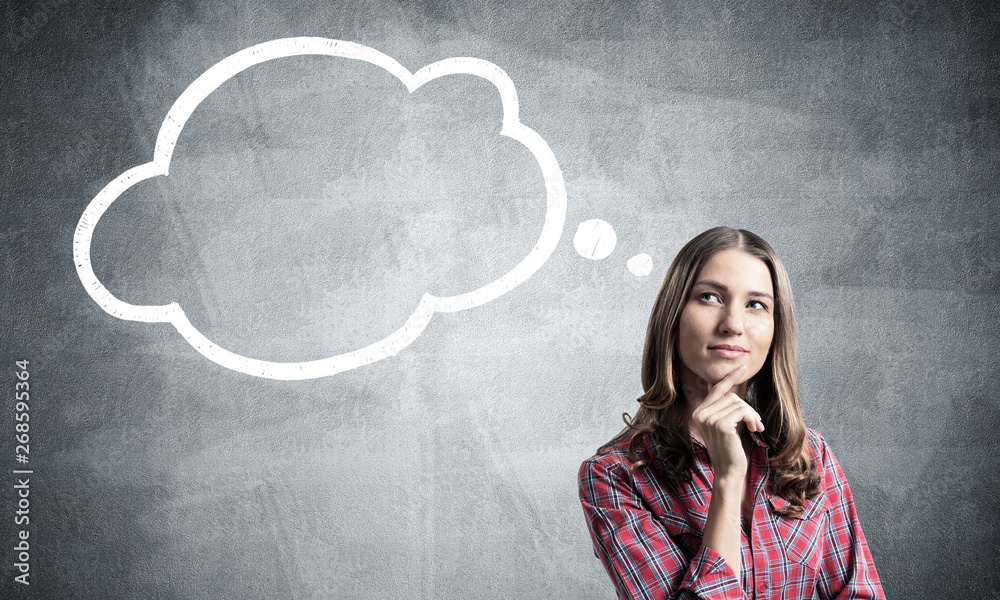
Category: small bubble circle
[640,265]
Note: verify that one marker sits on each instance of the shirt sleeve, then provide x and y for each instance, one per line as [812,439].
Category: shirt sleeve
[848,572]
[641,557]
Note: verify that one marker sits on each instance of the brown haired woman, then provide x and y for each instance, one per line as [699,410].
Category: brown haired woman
[716,488]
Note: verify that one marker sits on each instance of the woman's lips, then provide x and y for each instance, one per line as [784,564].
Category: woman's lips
[726,351]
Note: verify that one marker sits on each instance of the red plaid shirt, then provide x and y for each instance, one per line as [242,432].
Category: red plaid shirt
[648,532]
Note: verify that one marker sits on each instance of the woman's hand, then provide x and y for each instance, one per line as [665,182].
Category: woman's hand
[716,422]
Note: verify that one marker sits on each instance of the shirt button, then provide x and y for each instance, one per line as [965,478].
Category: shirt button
[761,588]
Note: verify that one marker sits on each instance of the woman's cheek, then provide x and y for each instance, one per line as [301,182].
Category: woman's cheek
[763,330]
[762,335]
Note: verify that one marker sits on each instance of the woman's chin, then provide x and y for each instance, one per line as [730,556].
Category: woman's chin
[715,373]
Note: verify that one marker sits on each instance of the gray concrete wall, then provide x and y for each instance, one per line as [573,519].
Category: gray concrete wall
[313,200]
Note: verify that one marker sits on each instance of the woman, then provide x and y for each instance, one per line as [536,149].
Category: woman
[716,488]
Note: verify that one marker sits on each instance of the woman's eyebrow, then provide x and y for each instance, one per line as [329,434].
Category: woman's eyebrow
[724,288]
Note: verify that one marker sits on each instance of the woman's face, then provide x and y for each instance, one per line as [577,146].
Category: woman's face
[727,321]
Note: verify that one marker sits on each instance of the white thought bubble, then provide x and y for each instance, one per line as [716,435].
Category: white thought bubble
[641,265]
[595,239]
[209,81]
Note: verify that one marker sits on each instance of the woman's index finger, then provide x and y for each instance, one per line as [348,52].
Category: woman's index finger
[727,382]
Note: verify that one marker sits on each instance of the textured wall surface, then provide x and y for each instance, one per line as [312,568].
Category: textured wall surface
[312,201]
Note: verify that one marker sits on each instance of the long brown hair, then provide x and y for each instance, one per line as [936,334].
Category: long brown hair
[773,391]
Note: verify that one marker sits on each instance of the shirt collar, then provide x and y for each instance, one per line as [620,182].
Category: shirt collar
[647,449]
[756,436]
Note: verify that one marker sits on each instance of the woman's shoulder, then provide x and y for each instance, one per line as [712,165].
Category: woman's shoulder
[817,444]
[819,448]
[612,457]
[827,467]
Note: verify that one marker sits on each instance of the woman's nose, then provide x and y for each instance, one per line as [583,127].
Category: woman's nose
[732,322]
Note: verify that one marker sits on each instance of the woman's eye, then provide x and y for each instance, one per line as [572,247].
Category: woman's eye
[757,304]
[708,296]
